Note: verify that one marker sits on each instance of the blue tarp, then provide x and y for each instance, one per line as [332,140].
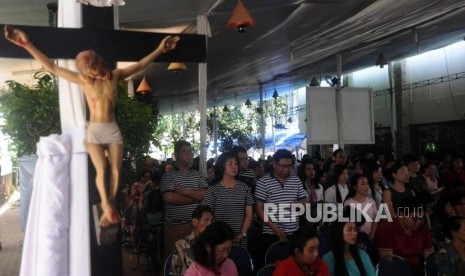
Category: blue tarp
[286,140]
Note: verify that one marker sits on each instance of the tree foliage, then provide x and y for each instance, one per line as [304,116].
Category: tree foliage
[30,112]
[234,127]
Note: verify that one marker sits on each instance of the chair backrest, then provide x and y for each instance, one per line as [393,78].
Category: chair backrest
[431,266]
[395,267]
[277,251]
[242,259]
[168,267]
[267,270]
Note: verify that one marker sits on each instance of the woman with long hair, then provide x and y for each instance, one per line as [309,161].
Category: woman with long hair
[345,257]
[338,192]
[211,251]
[307,174]
[358,198]
[230,199]
[374,174]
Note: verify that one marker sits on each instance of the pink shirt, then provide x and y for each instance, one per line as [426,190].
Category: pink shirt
[371,211]
[228,268]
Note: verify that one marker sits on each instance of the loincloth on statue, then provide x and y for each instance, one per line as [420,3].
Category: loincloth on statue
[103,133]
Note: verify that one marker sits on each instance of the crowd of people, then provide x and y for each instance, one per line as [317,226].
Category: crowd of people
[410,210]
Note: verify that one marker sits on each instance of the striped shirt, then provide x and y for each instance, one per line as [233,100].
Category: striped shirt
[270,190]
[228,204]
[249,178]
[192,179]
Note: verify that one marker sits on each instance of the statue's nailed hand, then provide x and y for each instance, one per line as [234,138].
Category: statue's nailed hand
[169,43]
[16,36]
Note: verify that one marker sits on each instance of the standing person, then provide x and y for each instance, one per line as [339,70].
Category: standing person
[358,198]
[430,172]
[454,176]
[374,174]
[337,193]
[183,255]
[345,258]
[99,83]
[211,251]
[307,175]
[245,174]
[183,189]
[277,187]
[417,183]
[339,158]
[397,191]
[230,199]
[304,259]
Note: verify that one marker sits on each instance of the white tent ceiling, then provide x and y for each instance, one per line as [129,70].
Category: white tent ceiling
[291,42]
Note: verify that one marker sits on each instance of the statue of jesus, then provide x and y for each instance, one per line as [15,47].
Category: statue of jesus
[103,137]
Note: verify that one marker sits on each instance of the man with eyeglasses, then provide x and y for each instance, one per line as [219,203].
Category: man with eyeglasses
[99,84]
[245,174]
[183,189]
[275,188]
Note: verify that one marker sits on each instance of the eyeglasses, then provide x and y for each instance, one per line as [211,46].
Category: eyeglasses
[186,151]
[284,166]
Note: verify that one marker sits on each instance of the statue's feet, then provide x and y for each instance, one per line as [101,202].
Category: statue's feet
[109,216]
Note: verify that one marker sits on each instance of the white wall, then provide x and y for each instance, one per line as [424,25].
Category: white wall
[429,104]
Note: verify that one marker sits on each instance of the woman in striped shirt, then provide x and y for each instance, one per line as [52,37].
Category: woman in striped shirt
[230,199]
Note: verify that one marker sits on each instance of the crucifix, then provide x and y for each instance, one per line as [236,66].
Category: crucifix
[65,43]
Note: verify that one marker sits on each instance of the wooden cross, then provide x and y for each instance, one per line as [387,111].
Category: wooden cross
[113,46]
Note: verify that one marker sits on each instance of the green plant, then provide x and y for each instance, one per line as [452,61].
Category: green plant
[30,112]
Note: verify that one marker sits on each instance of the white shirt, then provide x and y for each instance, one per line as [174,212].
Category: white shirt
[330,193]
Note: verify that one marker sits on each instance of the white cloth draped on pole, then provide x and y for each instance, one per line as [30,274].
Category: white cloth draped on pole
[47,232]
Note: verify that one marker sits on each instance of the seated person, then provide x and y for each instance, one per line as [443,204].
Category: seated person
[183,256]
[450,259]
[305,259]
[211,251]
[406,236]
[345,257]
[151,201]
[457,201]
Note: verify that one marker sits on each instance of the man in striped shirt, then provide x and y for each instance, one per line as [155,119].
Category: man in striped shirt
[245,174]
[183,188]
[278,187]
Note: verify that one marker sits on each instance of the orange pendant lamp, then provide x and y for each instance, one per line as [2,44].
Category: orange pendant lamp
[240,18]
[144,87]
[177,67]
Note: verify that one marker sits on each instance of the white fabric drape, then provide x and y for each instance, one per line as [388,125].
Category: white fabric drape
[53,242]
[46,238]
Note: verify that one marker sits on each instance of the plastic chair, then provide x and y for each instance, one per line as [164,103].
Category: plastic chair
[431,266]
[277,251]
[242,259]
[168,267]
[267,270]
[395,267]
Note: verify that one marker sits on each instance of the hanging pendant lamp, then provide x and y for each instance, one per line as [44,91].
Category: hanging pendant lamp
[144,87]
